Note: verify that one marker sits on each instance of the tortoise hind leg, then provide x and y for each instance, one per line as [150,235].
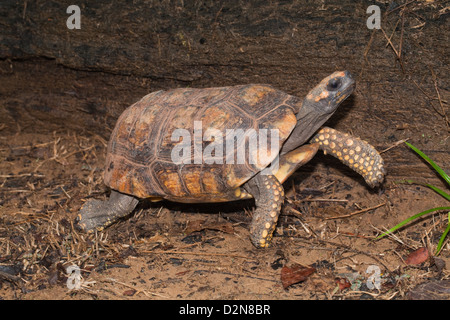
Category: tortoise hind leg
[97,214]
[269,195]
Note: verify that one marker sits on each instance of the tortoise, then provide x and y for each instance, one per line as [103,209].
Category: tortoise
[140,154]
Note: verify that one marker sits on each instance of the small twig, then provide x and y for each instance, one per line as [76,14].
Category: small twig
[393,32]
[401,6]
[22,175]
[298,214]
[366,52]
[393,48]
[442,112]
[391,235]
[428,96]
[394,145]
[359,292]
[294,191]
[322,200]
[401,35]
[444,115]
[76,151]
[194,253]
[327,185]
[39,145]
[24,11]
[356,212]
[60,159]
[239,275]
[65,192]
[295,211]
[19,191]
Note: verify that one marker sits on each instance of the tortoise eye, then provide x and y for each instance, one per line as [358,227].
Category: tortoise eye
[334,84]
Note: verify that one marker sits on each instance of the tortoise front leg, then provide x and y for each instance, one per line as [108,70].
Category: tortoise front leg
[354,152]
[269,195]
[97,214]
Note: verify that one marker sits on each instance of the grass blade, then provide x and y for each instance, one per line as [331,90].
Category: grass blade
[431,162]
[401,224]
[436,189]
[441,240]
[442,193]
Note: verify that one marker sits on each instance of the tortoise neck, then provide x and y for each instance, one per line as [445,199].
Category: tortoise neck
[309,120]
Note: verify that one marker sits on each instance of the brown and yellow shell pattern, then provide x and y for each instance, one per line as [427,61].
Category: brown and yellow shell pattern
[139,158]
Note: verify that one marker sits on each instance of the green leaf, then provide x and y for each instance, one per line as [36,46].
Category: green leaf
[436,189]
[441,192]
[434,165]
[401,224]
[441,240]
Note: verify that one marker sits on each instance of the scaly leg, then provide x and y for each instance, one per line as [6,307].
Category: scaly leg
[269,195]
[97,214]
[354,152]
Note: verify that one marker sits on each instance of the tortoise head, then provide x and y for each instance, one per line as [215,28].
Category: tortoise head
[318,106]
[324,99]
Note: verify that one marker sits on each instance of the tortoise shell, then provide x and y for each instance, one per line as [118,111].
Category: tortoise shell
[139,157]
